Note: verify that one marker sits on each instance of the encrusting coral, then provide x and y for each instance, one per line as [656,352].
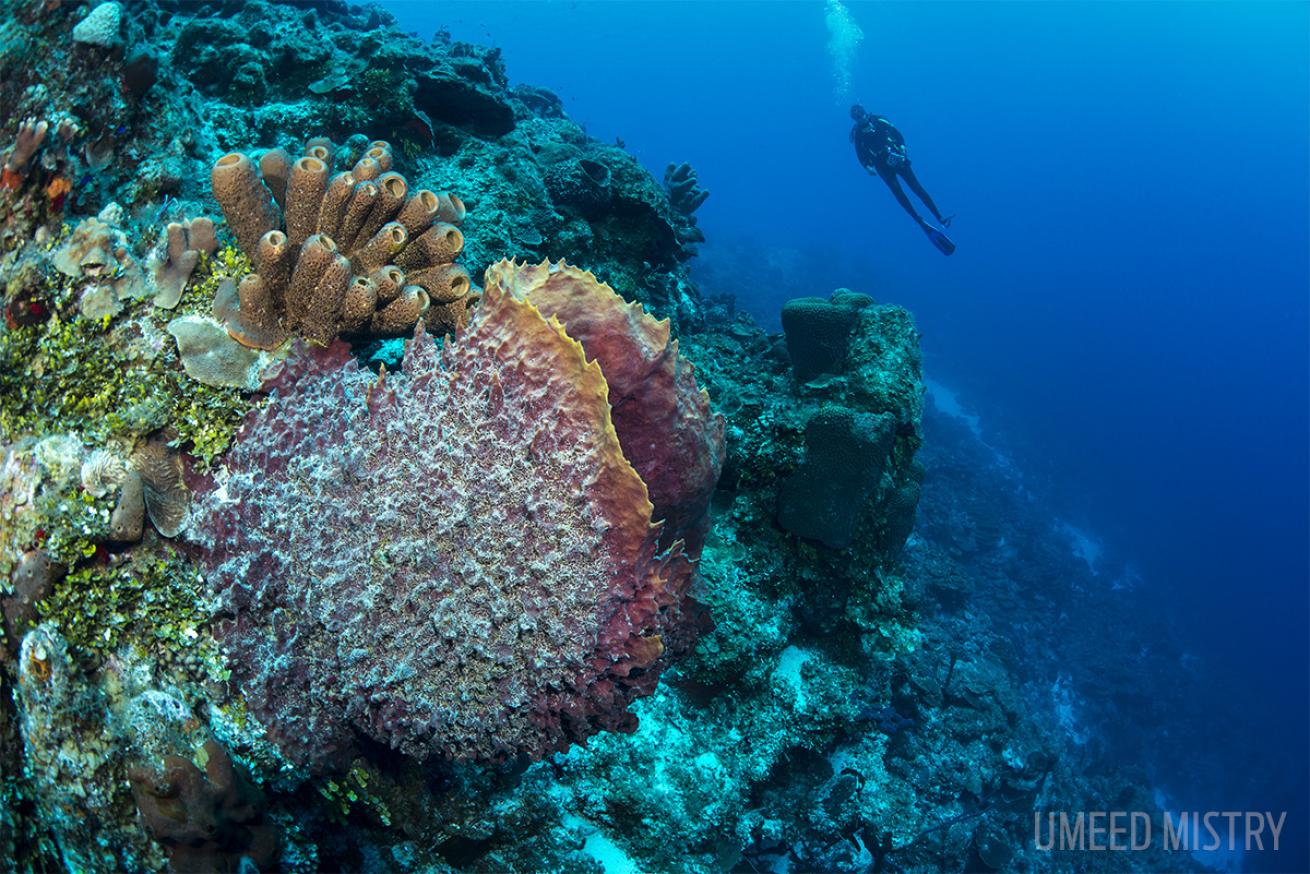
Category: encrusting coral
[499,589]
[358,252]
[99,252]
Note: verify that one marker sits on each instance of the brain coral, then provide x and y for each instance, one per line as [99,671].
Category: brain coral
[457,559]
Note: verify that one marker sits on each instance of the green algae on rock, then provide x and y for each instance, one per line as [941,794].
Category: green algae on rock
[113,378]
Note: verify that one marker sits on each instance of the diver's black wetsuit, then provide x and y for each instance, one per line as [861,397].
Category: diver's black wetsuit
[880,148]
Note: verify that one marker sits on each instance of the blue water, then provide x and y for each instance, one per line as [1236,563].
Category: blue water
[1127,310]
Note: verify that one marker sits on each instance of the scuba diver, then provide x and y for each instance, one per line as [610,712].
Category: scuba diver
[880,149]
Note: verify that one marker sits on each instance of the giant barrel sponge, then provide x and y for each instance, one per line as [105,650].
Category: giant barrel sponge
[662,416]
[459,559]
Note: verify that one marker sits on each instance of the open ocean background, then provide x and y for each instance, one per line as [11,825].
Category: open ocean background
[1127,311]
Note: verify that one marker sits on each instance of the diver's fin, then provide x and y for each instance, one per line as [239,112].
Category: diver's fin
[940,240]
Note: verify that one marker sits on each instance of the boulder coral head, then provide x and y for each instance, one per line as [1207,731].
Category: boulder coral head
[354,252]
[457,559]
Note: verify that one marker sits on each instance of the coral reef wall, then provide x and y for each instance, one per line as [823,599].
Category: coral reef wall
[606,579]
[137,114]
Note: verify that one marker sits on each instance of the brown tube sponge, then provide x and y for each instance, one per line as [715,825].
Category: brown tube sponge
[357,210]
[444,284]
[318,253]
[256,304]
[321,148]
[246,203]
[255,323]
[380,151]
[446,318]
[305,192]
[355,251]
[401,314]
[451,208]
[127,522]
[439,244]
[389,281]
[275,167]
[361,301]
[249,331]
[367,168]
[322,321]
[380,248]
[392,191]
[274,262]
[419,212]
[336,200]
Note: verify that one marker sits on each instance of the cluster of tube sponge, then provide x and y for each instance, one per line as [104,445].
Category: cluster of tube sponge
[352,253]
